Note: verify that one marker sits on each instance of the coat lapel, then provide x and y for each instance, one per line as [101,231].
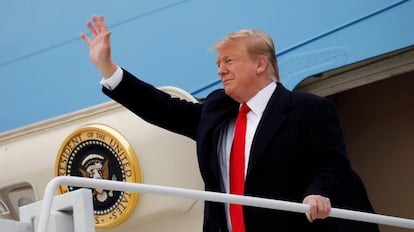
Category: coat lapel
[223,111]
[272,119]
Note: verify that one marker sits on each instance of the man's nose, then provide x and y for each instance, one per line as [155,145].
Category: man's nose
[221,70]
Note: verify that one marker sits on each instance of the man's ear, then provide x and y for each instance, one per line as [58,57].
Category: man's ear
[262,63]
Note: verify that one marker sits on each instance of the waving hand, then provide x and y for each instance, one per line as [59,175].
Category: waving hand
[100,46]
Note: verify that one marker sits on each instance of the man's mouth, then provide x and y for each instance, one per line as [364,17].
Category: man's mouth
[225,81]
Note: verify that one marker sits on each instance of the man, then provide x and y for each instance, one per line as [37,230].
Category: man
[293,148]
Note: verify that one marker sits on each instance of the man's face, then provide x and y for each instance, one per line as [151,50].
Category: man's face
[237,71]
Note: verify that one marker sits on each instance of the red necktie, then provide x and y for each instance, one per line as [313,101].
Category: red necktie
[237,168]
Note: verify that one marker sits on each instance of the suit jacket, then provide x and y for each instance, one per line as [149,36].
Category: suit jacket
[297,150]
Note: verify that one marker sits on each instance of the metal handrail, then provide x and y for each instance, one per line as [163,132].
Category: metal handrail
[207,196]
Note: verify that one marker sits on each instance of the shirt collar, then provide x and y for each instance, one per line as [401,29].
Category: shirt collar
[258,102]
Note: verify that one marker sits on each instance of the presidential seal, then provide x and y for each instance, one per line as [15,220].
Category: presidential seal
[98,151]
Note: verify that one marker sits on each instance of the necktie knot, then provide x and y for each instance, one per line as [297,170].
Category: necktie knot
[244,109]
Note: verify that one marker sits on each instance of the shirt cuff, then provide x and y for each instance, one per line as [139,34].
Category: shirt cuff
[113,81]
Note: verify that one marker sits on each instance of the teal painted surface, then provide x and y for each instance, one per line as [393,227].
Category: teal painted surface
[45,69]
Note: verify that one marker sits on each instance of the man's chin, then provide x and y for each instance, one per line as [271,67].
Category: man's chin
[227,90]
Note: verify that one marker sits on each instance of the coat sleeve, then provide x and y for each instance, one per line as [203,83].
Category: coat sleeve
[329,168]
[156,106]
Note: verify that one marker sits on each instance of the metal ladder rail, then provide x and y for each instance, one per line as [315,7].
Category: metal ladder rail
[207,196]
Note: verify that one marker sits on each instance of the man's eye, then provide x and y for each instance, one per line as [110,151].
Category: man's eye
[229,61]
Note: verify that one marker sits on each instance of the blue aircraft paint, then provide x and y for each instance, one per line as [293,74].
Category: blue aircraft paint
[45,69]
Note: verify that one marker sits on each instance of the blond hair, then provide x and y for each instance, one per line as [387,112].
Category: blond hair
[260,43]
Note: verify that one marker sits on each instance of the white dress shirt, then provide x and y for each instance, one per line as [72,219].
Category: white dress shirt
[257,105]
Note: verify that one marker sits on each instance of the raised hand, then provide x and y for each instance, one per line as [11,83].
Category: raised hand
[100,46]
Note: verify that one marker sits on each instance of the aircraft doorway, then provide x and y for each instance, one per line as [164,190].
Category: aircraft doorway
[377,120]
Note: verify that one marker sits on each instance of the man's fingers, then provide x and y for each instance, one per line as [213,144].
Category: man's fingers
[99,25]
[327,206]
[313,206]
[319,207]
[102,24]
[106,37]
[97,28]
[95,25]
[85,38]
[91,29]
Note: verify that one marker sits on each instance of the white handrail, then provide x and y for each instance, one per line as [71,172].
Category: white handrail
[207,196]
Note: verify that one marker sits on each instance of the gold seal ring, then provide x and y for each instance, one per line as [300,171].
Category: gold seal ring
[99,151]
